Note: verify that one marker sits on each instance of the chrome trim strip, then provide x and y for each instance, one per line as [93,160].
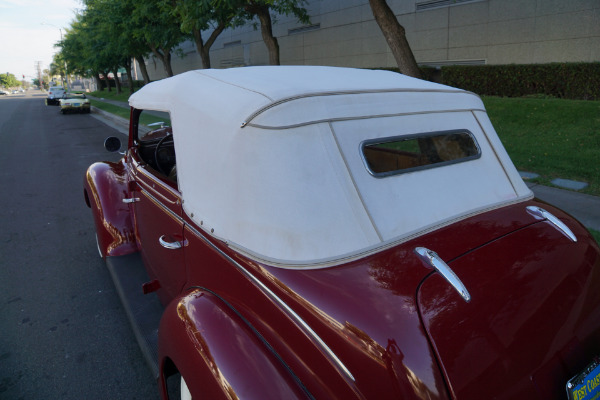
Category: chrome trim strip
[432,259]
[367,251]
[540,213]
[303,324]
[346,92]
[359,117]
[173,215]
[164,186]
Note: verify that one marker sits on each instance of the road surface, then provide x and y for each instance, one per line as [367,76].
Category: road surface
[64,334]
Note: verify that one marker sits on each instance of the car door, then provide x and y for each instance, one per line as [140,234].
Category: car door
[159,226]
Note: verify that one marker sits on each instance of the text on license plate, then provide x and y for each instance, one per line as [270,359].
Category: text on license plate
[586,386]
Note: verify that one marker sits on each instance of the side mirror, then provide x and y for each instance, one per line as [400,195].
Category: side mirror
[112,144]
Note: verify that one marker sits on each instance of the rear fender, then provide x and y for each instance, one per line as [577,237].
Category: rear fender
[105,187]
[219,354]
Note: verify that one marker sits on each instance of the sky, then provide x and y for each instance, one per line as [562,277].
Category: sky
[28,31]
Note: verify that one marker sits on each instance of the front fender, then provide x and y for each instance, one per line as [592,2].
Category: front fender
[105,187]
[219,354]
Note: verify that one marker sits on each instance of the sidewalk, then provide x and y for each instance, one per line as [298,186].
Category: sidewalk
[584,207]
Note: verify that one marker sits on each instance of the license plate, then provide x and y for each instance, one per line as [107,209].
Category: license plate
[76,104]
[586,385]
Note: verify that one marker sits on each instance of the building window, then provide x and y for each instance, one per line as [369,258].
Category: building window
[302,29]
[232,44]
[429,4]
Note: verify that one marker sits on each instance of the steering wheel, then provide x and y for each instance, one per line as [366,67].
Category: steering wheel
[160,160]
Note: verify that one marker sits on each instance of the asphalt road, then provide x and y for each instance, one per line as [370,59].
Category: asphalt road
[63,332]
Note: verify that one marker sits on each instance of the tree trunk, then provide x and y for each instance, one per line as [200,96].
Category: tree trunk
[129,75]
[117,80]
[395,36]
[105,73]
[98,81]
[201,48]
[143,68]
[266,29]
[167,62]
[204,48]
[164,55]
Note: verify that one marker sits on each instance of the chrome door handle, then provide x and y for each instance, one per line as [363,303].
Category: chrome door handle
[131,200]
[169,245]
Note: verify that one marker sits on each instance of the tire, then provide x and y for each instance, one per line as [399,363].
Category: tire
[98,247]
[185,392]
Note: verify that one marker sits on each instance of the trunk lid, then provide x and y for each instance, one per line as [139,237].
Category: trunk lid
[532,320]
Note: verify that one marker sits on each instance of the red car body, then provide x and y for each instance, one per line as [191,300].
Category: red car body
[386,323]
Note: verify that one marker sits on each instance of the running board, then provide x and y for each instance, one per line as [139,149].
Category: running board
[143,310]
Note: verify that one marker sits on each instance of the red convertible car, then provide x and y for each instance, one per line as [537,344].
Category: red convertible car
[331,233]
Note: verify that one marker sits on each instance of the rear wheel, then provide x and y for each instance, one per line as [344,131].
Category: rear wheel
[98,246]
[185,392]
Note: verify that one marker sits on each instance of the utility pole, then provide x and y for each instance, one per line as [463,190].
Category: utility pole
[38,67]
[61,39]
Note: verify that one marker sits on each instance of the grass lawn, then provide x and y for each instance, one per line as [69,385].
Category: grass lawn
[145,119]
[112,95]
[596,235]
[553,137]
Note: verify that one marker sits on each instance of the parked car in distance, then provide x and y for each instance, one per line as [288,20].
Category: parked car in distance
[74,103]
[55,93]
[331,233]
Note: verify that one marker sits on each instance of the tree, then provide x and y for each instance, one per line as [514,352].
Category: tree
[395,35]
[199,15]
[101,40]
[58,67]
[156,24]
[261,9]
[8,80]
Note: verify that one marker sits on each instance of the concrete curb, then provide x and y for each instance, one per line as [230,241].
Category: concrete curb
[114,121]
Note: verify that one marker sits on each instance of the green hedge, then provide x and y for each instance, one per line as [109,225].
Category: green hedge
[562,80]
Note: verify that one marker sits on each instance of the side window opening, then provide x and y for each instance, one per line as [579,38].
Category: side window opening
[156,148]
[402,154]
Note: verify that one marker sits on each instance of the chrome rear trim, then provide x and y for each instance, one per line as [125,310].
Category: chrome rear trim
[431,258]
[540,213]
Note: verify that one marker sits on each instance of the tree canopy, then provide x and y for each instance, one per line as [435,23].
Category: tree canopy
[108,34]
[9,80]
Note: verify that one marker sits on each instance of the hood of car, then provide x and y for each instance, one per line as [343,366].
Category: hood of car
[528,325]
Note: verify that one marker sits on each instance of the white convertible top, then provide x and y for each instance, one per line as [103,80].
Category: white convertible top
[269,159]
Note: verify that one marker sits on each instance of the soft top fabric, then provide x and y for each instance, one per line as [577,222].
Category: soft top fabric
[269,159]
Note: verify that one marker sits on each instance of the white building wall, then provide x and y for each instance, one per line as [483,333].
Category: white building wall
[440,32]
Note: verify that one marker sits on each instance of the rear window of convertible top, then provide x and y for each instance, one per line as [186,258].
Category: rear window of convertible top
[402,154]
